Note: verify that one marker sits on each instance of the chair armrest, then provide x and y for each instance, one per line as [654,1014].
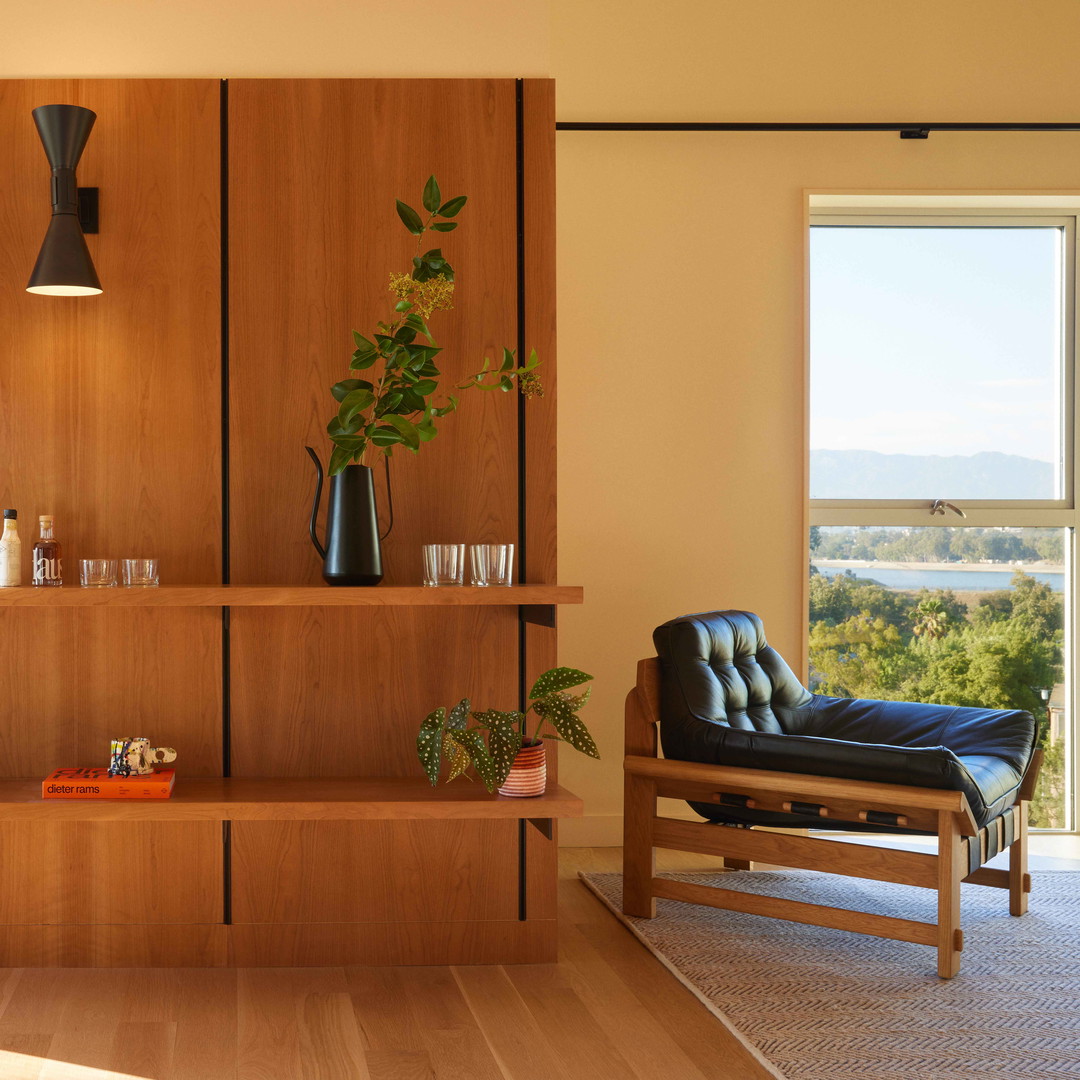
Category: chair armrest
[793,783]
[803,786]
[1031,777]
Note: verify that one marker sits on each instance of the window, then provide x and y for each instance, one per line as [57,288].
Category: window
[941,372]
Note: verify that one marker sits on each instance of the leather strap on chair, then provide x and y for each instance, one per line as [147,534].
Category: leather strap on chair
[1009,820]
[992,839]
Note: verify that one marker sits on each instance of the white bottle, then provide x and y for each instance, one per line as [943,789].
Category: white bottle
[10,552]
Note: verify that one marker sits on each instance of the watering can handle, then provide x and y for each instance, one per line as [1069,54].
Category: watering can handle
[315,505]
[389,499]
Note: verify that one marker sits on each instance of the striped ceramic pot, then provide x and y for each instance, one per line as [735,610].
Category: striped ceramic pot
[528,774]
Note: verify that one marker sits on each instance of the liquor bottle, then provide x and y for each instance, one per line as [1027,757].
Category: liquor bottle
[48,568]
[10,552]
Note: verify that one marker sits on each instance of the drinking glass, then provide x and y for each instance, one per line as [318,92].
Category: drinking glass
[492,564]
[140,572]
[97,573]
[444,564]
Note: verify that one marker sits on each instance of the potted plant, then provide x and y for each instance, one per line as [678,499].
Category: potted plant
[499,745]
[395,404]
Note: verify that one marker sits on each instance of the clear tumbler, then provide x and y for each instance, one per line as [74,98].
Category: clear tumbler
[444,564]
[492,564]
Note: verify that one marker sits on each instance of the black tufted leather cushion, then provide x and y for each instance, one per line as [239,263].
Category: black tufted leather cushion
[728,698]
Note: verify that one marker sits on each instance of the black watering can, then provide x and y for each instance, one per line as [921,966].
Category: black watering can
[353,552]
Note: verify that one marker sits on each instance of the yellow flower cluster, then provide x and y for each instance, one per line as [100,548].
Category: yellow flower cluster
[435,294]
[530,385]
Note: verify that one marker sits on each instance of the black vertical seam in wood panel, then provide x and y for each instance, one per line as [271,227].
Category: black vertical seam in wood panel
[226,872]
[519,202]
[226,644]
[522,455]
[224,230]
[226,716]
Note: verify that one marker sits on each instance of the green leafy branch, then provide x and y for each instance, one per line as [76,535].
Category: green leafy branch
[446,737]
[397,408]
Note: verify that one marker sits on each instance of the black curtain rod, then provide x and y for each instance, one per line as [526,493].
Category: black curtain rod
[907,131]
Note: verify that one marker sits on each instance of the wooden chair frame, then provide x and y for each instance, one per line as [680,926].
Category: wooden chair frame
[962,848]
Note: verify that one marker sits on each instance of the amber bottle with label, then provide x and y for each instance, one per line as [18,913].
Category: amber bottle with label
[48,568]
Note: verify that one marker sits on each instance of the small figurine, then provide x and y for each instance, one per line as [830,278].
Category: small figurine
[136,757]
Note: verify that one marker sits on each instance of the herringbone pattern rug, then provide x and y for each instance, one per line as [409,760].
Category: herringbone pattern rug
[821,1004]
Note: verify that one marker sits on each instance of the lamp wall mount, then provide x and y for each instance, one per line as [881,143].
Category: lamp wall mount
[88,210]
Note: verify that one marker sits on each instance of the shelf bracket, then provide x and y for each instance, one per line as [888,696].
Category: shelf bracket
[543,824]
[537,614]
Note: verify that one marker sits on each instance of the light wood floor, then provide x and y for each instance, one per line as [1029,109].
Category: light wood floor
[606,1011]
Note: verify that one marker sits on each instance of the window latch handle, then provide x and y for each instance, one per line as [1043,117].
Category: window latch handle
[939,506]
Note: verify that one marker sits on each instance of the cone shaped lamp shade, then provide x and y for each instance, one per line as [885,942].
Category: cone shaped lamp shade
[64,266]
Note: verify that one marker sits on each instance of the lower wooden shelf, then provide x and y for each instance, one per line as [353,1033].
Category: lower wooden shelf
[329,799]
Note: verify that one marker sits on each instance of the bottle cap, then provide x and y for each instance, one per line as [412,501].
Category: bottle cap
[12,514]
[46,519]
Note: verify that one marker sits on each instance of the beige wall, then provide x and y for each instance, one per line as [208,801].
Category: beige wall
[681,257]
[805,60]
[275,38]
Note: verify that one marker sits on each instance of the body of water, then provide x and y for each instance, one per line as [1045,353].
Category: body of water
[959,580]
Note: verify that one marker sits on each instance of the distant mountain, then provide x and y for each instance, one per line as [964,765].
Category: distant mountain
[866,474]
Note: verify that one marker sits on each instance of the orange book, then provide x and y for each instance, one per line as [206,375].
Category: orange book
[98,784]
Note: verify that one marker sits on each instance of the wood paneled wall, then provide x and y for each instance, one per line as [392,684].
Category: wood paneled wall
[110,418]
[312,245]
[109,414]
[109,421]
[313,240]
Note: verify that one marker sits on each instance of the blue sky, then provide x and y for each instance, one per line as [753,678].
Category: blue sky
[935,340]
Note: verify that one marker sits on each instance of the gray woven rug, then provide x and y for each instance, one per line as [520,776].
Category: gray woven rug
[819,1004]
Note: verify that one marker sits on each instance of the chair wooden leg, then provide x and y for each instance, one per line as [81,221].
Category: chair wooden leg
[950,936]
[1018,864]
[639,860]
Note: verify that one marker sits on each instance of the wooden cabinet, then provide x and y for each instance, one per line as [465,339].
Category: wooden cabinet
[246,229]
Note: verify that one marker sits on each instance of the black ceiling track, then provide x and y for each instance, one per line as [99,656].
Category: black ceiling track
[906,131]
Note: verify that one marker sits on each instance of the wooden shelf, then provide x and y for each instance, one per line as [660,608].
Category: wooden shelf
[330,799]
[290,596]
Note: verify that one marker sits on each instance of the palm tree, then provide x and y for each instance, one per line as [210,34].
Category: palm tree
[929,618]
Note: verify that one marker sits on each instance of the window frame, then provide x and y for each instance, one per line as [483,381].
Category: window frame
[943,211]
[906,510]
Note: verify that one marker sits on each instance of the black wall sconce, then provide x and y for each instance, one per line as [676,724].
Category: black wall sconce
[64,266]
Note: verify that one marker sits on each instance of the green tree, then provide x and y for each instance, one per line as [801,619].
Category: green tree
[860,657]
[993,607]
[1048,803]
[1048,544]
[1036,605]
[999,546]
[863,643]
[930,618]
[956,609]
[834,599]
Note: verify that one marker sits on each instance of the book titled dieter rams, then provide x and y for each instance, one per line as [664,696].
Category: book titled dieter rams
[88,783]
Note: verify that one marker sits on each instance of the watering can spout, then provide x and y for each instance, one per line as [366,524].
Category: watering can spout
[315,504]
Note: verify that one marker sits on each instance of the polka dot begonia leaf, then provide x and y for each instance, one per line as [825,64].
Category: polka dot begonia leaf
[560,678]
[429,744]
